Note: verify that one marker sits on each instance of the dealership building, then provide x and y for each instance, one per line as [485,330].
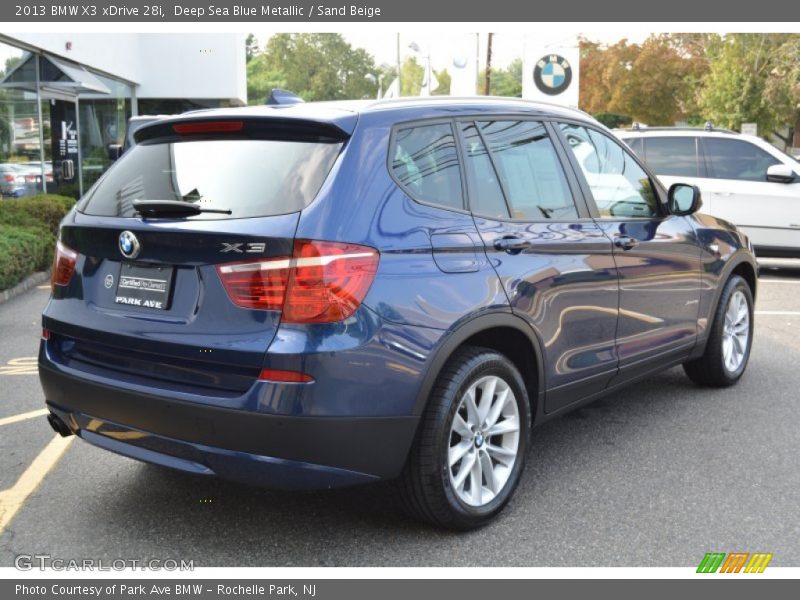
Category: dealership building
[65,99]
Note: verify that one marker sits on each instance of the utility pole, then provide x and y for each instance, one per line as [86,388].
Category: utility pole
[399,66]
[487,82]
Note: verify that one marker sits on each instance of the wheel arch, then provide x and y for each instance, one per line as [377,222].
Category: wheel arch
[501,331]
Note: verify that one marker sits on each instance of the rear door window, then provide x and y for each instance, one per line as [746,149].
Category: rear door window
[251,178]
[425,164]
[676,156]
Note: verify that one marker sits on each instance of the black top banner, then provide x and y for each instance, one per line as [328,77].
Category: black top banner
[206,11]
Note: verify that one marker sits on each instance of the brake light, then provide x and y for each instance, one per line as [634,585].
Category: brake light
[10,178]
[208,127]
[30,178]
[63,265]
[322,282]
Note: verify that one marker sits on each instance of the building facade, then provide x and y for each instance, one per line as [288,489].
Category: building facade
[65,99]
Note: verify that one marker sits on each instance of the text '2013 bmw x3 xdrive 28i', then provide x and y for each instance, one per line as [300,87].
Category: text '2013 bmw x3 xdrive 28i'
[319,295]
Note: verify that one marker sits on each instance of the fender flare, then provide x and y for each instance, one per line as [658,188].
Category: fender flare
[456,337]
[739,257]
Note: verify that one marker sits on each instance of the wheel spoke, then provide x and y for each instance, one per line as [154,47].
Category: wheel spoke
[458,451]
[487,397]
[488,472]
[476,481]
[510,425]
[501,454]
[460,426]
[464,471]
[472,410]
[503,396]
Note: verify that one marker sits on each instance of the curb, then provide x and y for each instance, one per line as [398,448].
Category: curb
[24,286]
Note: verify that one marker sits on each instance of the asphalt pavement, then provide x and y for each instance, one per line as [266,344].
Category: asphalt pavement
[656,475]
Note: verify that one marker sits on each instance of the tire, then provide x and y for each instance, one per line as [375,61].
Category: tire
[715,367]
[432,490]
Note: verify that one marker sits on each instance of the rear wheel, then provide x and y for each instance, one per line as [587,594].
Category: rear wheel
[470,448]
[729,340]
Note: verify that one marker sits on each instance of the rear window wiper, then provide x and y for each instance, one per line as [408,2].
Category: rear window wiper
[173,208]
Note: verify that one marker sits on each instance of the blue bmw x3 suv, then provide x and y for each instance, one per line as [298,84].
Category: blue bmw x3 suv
[326,294]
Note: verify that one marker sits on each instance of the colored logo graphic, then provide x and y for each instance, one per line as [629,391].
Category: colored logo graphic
[735,562]
[128,244]
[552,74]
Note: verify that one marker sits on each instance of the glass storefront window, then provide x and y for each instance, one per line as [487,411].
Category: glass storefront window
[20,127]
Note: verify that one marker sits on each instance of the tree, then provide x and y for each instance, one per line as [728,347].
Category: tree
[504,82]
[318,66]
[755,78]
[411,75]
[261,80]
[250,47]
[654,82]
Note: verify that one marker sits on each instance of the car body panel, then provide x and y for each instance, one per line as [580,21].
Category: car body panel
[182,387]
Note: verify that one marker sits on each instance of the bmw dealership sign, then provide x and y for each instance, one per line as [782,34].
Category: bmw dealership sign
[550,70]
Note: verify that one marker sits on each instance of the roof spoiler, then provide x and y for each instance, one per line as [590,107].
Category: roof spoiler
[278,97]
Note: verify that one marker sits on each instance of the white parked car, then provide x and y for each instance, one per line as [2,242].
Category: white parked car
[743,179]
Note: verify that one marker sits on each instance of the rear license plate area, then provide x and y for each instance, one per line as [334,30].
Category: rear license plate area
[145,287]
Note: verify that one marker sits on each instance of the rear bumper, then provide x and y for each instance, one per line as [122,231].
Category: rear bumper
[292,452]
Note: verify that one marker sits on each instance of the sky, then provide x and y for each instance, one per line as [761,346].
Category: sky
[505,47]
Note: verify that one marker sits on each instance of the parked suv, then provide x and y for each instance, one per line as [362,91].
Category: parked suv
[326,294]
[743,179]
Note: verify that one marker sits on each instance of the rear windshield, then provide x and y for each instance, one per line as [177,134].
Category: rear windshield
[250,178]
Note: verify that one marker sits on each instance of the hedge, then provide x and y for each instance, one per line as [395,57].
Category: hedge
[28,230]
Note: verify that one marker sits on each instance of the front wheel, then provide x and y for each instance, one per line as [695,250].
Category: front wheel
[470,449]
[729,340]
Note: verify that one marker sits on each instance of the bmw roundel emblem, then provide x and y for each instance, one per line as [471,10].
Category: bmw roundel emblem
[552,74]
[129,245]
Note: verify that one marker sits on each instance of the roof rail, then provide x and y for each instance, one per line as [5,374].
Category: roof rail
[706,127]
[278,97]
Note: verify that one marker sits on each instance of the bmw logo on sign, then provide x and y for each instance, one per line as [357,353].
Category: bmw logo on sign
[552,74]
[129,245]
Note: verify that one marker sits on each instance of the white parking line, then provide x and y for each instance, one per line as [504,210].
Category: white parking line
[12,499]
[779,312]
[794,281]
[23,417]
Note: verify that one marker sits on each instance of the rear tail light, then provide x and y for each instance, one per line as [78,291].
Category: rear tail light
[63,265]
[30,178]
[48,178]
[322,282]
[10,178]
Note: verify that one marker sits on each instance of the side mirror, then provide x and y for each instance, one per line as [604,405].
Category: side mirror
[114,151]
[684,199]
[780,174]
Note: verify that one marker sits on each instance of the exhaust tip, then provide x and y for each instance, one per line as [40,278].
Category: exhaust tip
[58,425]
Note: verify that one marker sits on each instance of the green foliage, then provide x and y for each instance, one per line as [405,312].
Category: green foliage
[753,77]
[504,82]
[315,66]
[613,120]
[28,229]
[411,75]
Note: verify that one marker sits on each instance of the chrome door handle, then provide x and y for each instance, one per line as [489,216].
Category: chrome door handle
[625,242]
[511,244]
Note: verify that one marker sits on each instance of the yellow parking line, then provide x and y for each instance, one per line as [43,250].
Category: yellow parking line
[23,417]
[43,287]
[12,499]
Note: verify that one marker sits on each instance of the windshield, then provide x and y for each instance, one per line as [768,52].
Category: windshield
[251,178]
